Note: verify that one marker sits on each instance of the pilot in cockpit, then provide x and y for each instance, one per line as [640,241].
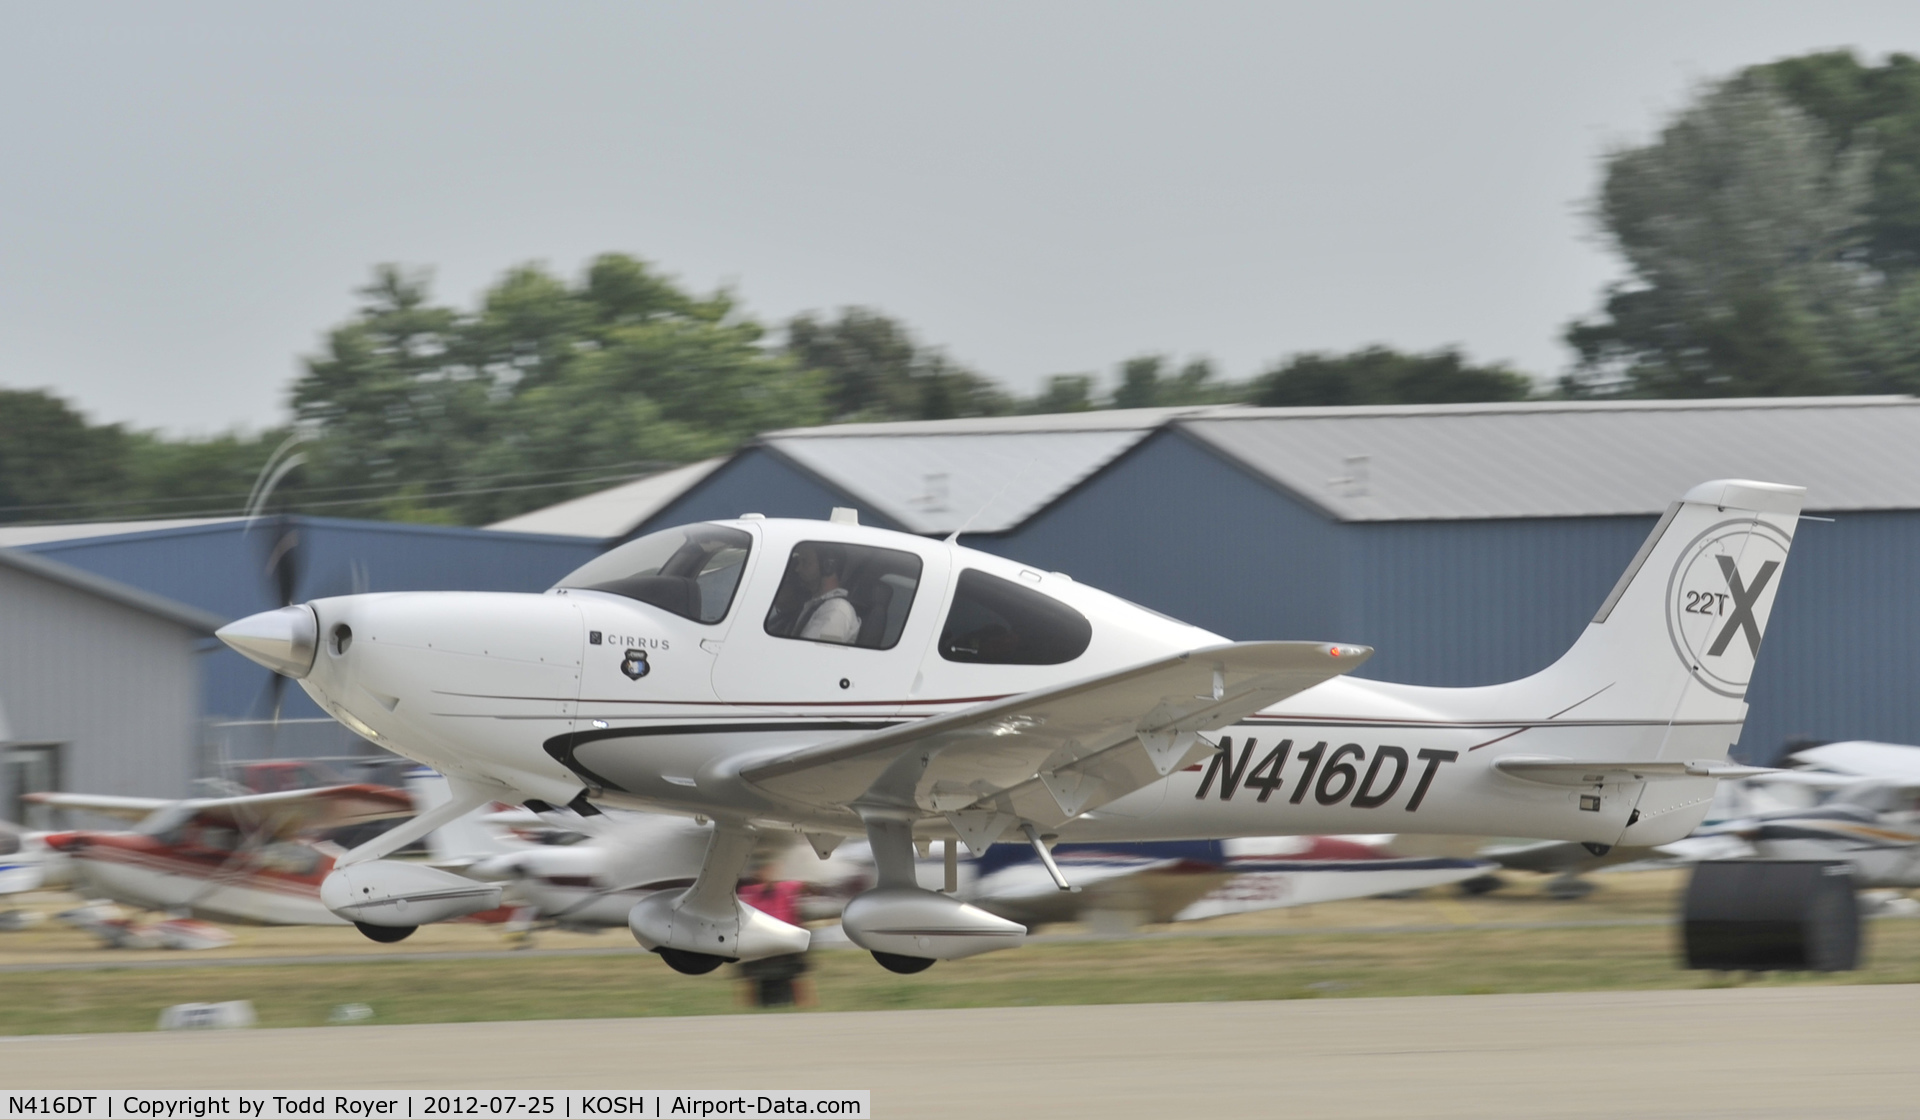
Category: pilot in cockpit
[811,604]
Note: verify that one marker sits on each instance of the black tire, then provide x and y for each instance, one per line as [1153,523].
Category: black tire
[905,966]
[1766,915]
[691,964]
[1481,884]
[385,935]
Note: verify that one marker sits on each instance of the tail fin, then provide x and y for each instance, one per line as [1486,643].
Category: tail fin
[1677,639]
[1661,673]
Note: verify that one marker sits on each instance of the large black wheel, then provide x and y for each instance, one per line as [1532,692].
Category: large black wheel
[905,966]
[693,964]
[1762,915]
[385,935]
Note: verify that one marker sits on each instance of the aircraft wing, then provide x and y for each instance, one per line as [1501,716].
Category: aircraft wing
[1048,755]
[126,808]
[302,810]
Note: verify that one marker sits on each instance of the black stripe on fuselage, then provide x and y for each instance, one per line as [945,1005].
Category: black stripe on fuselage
[562,747]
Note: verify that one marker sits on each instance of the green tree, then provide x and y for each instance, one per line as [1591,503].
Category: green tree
[1065,392]
[1743,227]
[546,388]
[872,368]
[1144,383]
[397,409]
[52,462]
[1379,375]
[192,477]
[1873,109]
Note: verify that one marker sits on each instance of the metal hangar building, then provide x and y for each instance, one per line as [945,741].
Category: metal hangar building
[99,684]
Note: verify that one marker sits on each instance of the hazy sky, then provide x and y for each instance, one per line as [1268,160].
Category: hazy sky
[189,193]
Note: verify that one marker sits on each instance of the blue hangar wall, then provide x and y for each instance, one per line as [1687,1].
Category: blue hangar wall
[1175,526]
[222,568]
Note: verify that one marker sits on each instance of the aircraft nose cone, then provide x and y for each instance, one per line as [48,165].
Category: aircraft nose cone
[282,640]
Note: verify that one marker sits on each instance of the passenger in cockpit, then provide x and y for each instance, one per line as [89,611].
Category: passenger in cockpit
[824,612]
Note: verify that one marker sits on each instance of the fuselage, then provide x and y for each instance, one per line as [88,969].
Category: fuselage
[660,707]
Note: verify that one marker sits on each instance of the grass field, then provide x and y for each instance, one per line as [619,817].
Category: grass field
[1331,951]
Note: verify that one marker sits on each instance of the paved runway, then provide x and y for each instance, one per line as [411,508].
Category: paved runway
[1849,1052]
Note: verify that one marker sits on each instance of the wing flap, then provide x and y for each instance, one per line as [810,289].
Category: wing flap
[1050,754]
[1573,772]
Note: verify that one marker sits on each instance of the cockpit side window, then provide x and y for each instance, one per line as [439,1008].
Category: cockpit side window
[849,594]
[692,571]
[996,621]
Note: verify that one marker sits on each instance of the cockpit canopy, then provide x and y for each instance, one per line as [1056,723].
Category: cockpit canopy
[692,571]
[842,593]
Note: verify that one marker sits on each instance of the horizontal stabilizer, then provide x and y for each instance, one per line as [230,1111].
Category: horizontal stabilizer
[1573,772]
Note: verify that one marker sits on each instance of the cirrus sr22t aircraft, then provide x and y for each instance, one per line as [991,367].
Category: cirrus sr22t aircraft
[838,680]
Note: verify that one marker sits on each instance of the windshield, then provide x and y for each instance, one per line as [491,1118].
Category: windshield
[692,571]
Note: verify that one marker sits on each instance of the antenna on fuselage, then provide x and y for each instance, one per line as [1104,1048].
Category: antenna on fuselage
[954,536]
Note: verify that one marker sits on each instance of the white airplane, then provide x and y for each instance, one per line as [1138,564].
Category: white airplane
[838,680]
[1855,801]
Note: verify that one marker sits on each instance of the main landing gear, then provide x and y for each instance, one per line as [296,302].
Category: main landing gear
[385,935]
[698,929]
[907,928]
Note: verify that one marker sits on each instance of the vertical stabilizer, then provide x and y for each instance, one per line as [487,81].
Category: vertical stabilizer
[1661,673]
[1677,639]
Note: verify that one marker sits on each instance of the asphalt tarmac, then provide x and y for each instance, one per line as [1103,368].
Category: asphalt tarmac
[1734,1052]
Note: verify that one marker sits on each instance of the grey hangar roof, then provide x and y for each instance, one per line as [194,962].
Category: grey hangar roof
[1545,459]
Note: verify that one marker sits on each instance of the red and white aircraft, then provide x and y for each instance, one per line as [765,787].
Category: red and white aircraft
[838,680]
[244,859]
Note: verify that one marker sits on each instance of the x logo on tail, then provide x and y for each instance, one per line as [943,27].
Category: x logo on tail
[1743,599]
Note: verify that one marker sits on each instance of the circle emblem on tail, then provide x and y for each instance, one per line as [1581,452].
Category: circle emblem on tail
[1718,599]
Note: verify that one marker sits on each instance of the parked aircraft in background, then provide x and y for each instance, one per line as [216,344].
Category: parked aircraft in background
[846,681]
[26,864]
[1854,801]
[1123,885]
[243,859]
